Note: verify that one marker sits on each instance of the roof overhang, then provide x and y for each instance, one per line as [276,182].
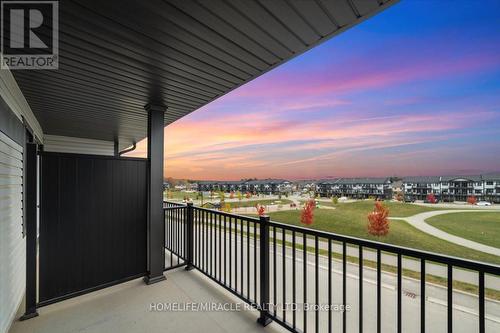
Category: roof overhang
[116,56]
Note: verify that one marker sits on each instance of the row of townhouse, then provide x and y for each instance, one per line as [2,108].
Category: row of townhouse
[453,188]
[265,186]
[358,188]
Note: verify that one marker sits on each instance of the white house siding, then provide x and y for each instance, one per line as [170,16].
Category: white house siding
[12,242]
[65,144]
[14,98]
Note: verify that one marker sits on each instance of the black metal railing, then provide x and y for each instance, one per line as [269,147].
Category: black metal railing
[310,280]
[176,231]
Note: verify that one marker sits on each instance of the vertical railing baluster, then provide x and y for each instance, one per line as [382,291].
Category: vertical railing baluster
[178,235]
[422,295]
[400,291]
[379,291]
[482,326]
[214,245]
[294,282]
[248,259]
[219,222]
[450,298]
[330,304]
[189,235]
[283,251]
[255,261]
[241,257]
[171,238]
[304,242]
[360,276]
[210,235]
[207,258]
[274,270]
[230,253]
[225,251]
[264,318]
[344,287]
[236,254]
[316,281]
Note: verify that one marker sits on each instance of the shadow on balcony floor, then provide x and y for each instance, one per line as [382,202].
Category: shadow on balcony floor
[126,308]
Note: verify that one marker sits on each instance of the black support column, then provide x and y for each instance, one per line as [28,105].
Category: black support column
[30,185]
[156,223]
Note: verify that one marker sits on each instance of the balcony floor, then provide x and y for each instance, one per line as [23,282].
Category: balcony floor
[125,308]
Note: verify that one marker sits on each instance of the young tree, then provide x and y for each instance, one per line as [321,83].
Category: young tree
[378,222]
[222,197]
[431,198]
[231,195]
[226,207]
[261,210]
[249,195]
[335,200]
[307,215]
[471,200]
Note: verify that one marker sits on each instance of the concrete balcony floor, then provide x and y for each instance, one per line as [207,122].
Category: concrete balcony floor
[126,308]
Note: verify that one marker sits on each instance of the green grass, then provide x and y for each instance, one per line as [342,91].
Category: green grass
[180,195]
[479,227]
[264,202]
[351,219]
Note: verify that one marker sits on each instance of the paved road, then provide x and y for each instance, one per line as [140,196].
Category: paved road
[418,221]
[465,306]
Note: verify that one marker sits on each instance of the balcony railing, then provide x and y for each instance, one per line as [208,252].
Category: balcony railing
[279,269]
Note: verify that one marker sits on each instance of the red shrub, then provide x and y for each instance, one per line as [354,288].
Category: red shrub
[431,198]
[471,200]
[261,210]
[307,216]
[378,222]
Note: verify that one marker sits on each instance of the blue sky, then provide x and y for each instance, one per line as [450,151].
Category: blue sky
[414,90]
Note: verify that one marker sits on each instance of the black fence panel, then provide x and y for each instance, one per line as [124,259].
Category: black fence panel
[93,220]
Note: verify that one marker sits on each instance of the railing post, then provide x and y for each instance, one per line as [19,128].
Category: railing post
[189,236]
[264,319]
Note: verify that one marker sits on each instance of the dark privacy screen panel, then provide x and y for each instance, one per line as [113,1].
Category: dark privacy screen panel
[92,223]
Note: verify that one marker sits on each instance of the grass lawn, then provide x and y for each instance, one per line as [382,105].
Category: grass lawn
[264,202]
[351,219]
[479,227]
[180,195]
[396,209]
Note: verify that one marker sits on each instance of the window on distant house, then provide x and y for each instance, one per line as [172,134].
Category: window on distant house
[489,183]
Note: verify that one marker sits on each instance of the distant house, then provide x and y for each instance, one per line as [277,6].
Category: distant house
[267,186]
[418,188]
[491,187]
[358,188]
[453,188]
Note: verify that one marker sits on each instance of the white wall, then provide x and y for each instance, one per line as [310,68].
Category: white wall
[12,242]
[12,95]
[65,144]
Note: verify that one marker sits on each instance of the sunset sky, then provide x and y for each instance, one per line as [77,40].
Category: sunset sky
[412,91]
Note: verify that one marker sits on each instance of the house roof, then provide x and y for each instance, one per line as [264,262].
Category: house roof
[422,179]
[491,177]
[116,56]
[474,178]
[362,181]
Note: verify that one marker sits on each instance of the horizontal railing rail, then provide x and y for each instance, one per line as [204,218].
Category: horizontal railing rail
[290,272]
